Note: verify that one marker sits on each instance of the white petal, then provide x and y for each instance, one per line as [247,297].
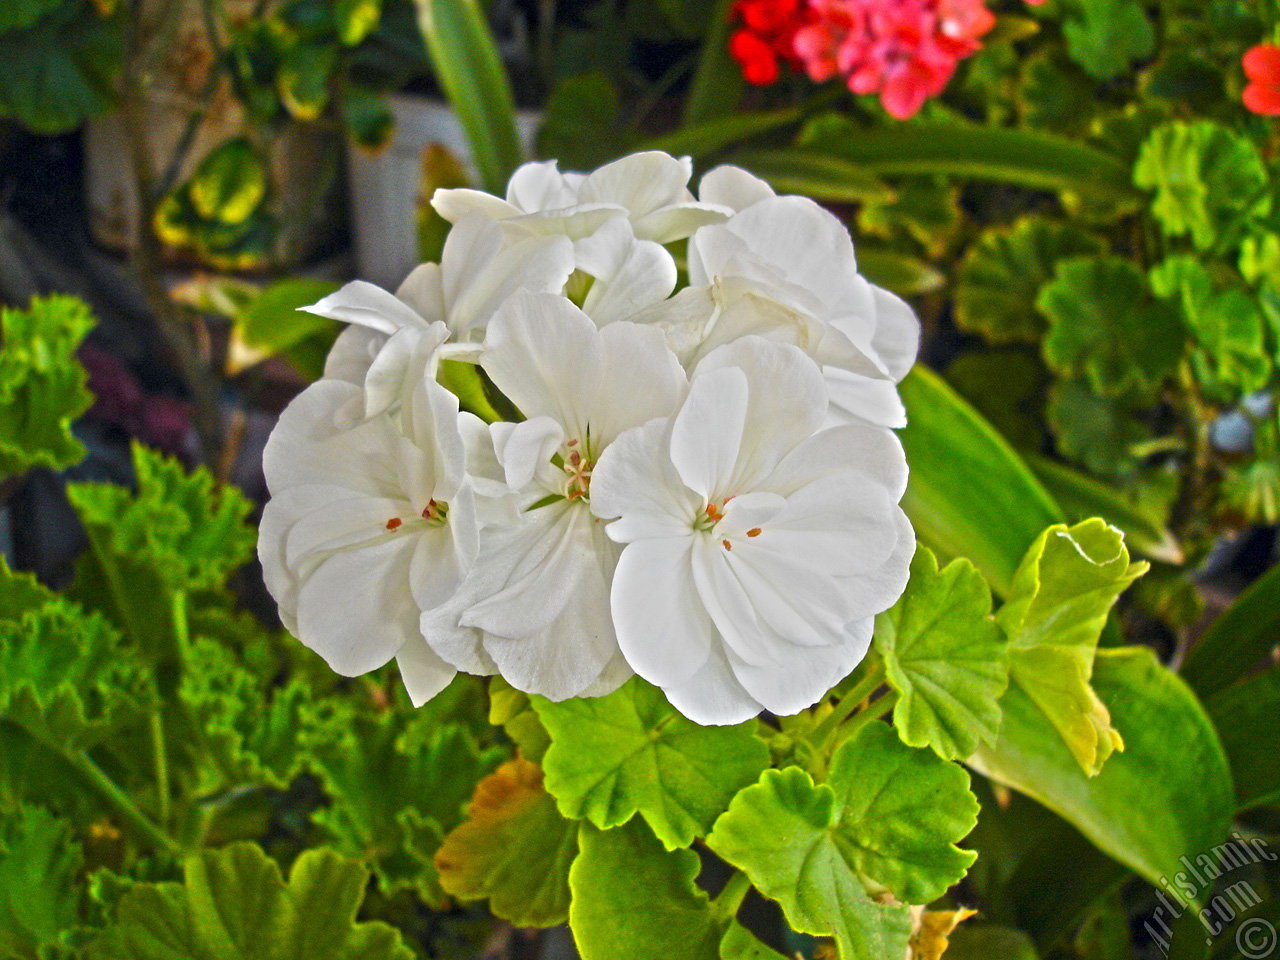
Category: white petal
[733,187]
[876,590]
[679,220]
[329,518]
[714,695]
[707,434]
[436,569]
[455,204]
[369,306]
[430,422]
[352,353]
[641,182]
[897,337]
[386,378]
[356,609]
[797,597]
[664,631]
[640,379]
[546,356]
[635,479]
[807,674]
[748,511]
[524,448]
[541,186]
[856,397]
[728,604]
[280,580]
[872,452]
[424,674]
[630,274]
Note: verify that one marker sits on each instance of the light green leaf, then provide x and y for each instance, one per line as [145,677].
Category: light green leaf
[888,816]
[1062,594]
[945,656]
[39,861]
[272,324]
[1107,36]
[631,752]
[1020,157]
[823,177]
[1172,770]
[1102,326]
[392,781]
[468,68]
[633,900]
[969,495]
[1243,714]
[514,849]
[356,19]
[1002,273]
[1208,181]
[234,905]
[512,710]
[303,80]
[1232,359]
[739,943]
[42,384]
[229,184]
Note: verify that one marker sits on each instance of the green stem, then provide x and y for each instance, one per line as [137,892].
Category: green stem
[727,901]
[847,704]
[873,712]
[181,633]
[160,757]
[121,802]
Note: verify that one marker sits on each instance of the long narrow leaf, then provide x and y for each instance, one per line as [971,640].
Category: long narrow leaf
[467,64]
[818,175]
[717,82]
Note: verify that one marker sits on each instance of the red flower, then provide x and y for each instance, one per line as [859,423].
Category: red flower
[1262,67]
[768,29]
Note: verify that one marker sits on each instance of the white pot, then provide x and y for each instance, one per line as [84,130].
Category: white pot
[386,185]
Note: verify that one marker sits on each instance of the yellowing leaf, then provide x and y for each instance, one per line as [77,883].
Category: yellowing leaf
[931,930]
[514,848]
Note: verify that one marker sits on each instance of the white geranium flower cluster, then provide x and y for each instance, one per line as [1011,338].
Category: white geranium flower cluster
[704,488]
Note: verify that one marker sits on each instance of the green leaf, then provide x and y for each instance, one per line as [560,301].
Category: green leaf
[1095,430]
[1020,157]
[65,675]
[989,942]
[39,861]
[826,178]
[1002,273]
[1232,359]
[272,324]
[633,900]
[513,710]
[1243,714]
[713,135]
[303,80]
[888,816]
[631,752]
[42,384]
[905,275]
[717,82]
[1238,640]
[945,656]
[392,781]
[229,184]
[581,128]
[969,495]
[1172,770]
[468,68]
[1107,36]
[1208,181]
[1081,497]
[1061,597]
[739,943]
[23,13]
[514,849]
[356,19]
[1101,326]
[367,116]
[234,905]
[181,526]
[58,70]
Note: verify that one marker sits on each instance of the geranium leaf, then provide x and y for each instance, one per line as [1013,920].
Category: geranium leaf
[394,781]
[1208,180]
[1103,326]
[1107,36]
[1096,430]
[633,900]
[1062,594]
[946,657]
[42,384]
[630,752]
[235,905]
[39,860]
[513,710]
[514,849]
[888,816]
[1002,273]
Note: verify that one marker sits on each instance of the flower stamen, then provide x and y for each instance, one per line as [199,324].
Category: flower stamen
[393,523]
[753,532]
[435,512]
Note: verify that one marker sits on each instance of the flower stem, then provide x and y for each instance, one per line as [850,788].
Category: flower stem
[121,802]
[160,758]
[727,901]
[874,712]
[847,704]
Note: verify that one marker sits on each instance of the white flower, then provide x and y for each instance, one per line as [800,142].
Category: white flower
[536,605]
[784,269]
[651,189]
[447,304]
[367,527]
[758,551]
